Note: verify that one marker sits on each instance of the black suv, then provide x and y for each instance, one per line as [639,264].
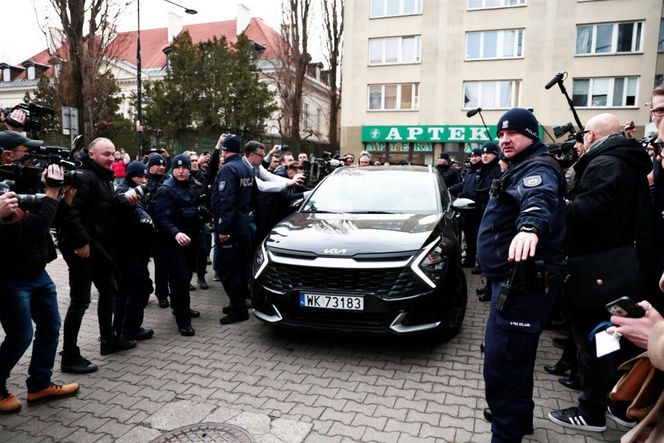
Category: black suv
[372,249]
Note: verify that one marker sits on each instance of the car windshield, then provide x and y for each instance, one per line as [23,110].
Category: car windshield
[364,191]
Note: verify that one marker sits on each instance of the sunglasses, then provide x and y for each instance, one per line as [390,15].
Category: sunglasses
[579,135]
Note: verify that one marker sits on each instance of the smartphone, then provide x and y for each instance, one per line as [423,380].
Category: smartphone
[625,307]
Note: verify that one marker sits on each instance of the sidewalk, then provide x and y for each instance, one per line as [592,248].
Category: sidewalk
[279,386]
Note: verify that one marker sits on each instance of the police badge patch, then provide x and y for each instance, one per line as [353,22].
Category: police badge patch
[532,181]
[222,186]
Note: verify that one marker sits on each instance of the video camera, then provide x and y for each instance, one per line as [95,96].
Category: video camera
[318,167]
[34,114]
[565,152]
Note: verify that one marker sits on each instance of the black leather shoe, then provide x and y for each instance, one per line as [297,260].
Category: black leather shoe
[560,343]
[571,382]
[226,309]
[233,318]
[115,343]
[192,287]
[203,284]
[163,303]
[484,297]
[142,334]
[476,270]
[559,368]
[73,363]
[482,290]
[488,416]
[192,313]
[187,331]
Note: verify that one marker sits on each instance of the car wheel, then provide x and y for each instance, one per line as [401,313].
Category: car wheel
[453,309]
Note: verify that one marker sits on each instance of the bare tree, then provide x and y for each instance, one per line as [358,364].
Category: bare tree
[333,20]
[87,39]
[291,66]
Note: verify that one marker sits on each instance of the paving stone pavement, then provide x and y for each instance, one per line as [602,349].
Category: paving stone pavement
[281,386]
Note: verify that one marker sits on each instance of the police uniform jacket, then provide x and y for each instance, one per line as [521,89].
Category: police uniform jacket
[450,175]
[468,187]
[531,198]
[485,176]
[609,193]
[134,235]
[92,217]
[231,197]
[176,209]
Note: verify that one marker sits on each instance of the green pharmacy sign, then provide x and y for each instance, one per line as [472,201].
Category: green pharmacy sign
[427,134]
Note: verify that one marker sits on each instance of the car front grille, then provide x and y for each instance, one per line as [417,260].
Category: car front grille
[385,283]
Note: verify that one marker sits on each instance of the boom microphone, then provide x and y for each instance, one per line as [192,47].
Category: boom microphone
[473,112]
[557,78]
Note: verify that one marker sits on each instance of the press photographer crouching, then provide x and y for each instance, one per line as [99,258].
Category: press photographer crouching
[27,292]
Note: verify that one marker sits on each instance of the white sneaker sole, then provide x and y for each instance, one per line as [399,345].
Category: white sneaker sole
[621,422]
[581,424]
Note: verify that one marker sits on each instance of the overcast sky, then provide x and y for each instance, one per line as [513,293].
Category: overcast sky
[22,37]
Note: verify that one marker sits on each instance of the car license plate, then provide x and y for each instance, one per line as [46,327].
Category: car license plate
[342,302]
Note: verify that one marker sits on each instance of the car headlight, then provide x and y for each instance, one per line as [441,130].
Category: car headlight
[430,263]
[260,261]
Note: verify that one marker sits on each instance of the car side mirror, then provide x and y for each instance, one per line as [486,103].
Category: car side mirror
[463,204]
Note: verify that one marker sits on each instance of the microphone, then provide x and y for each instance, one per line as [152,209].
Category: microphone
[473,112]
[557,78]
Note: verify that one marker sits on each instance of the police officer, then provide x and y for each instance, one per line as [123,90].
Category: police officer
[470,222]
[231,198]
[178,224]
[156,176]
[136,228]
[488,171]
[522,226]
[450,175]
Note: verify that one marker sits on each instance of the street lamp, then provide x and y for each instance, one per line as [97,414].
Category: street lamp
[139,86]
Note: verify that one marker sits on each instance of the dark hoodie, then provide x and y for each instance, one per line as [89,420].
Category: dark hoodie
[609,196]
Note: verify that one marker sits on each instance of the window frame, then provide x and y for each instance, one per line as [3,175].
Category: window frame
[497,90]
[415,97]
[501,4]
[500,44]
[401,9]
[638,32]
[610,92]
[400,50]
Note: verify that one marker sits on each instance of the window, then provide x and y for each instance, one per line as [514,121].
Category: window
[31,72]
[660,42]
[609,38]
[393,50]
[305,116]
[391,8]
[394,97]
[605,92]
[499,94]
[494,44]
[482,4]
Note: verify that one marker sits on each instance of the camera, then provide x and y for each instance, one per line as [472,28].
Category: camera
[26,202]
[34,114]
[141,190]
[316,168]
[565,152]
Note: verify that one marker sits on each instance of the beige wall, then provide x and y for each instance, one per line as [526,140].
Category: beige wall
[549,46]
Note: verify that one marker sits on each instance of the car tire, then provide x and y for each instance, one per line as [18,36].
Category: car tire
[453,309]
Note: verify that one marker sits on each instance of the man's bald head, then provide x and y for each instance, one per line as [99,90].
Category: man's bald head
[599,127]
[101,151]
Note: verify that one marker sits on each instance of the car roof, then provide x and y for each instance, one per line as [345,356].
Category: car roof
[401,168]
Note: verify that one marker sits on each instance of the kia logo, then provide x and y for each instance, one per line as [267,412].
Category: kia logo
[334,251]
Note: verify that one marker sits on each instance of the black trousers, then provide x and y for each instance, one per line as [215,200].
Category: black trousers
[180,267]
[83,272]
[234,270]
[204,246]
[135,287]
[161,268]
[470,224]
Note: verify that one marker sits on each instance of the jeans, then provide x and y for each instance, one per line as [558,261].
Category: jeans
[21,303]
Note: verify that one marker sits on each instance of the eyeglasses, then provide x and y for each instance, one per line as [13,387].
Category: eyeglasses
[658,112]
[579,135]
[260,155]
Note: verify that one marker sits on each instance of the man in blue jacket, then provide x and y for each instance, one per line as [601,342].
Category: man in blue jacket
[231,197]
[522,227]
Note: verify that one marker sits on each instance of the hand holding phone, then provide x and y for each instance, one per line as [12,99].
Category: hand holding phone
[625,307]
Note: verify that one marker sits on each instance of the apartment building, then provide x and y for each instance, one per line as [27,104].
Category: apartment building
[413,69]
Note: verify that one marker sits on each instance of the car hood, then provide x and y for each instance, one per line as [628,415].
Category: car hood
[351,234]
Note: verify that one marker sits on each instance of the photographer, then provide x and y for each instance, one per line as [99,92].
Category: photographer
[27,292]
[136,228]
[87,242]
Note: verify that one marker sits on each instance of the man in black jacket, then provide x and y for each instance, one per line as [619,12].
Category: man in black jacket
[609,193]
[86,239]
[27,292]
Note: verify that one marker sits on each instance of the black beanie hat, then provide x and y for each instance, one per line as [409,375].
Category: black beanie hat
[181,160]
[136,169]
[156,159]
[232,143]
[444,155]
[520,120]
[476,151]
[490,148]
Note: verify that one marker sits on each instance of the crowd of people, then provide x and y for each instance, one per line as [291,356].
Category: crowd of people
[546,239]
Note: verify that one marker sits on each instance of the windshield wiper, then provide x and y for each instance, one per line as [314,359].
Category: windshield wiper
[316,211]
[372,212]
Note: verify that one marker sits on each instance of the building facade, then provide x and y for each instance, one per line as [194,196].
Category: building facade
[415,69]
